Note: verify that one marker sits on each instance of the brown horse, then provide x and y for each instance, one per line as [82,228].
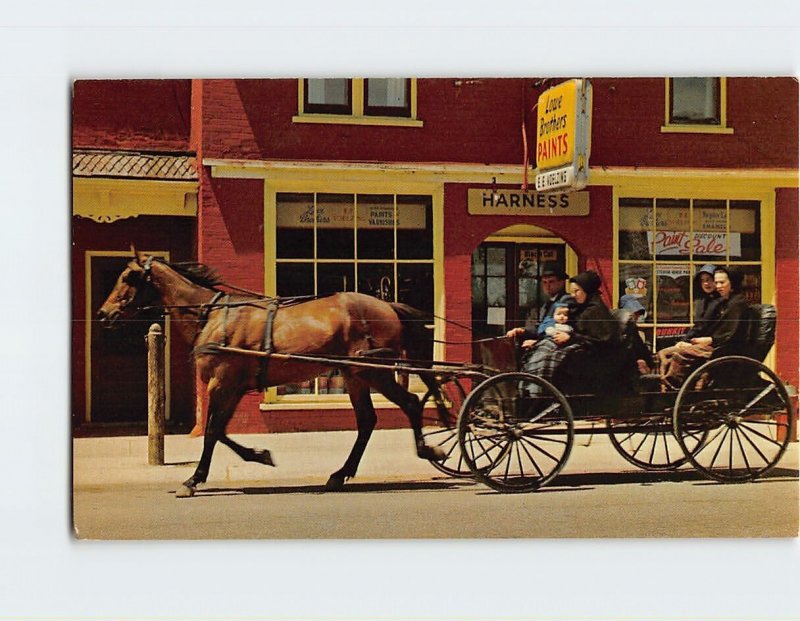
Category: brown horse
[344,324]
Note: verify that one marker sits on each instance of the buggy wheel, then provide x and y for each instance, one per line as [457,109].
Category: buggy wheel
[649,442]
[745,414]
[516,432]
[440,407]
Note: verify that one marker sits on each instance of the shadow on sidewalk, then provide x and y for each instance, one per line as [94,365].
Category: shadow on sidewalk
[349,488]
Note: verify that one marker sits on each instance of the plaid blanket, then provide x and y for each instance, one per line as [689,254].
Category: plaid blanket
[549,361]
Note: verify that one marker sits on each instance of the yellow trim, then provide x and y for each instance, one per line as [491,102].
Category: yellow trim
[482,173]
[695,129]
[340,182]
[357,117]
[107,200]
[683,128]
[336,119]
[89,316]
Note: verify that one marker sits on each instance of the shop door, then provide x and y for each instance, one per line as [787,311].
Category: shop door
[505,284]
[118,355]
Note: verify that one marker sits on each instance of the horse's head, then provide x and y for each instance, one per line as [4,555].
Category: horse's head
[132,291]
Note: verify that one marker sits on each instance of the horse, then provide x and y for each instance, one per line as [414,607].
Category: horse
[340,325]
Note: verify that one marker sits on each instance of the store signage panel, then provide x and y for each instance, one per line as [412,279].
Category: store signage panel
[563,136]
[520,203]
[676,243]
[673,219]
[340,216]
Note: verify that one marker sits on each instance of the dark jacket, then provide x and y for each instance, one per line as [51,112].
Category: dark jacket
[594,324]
[727,322]
[730,328]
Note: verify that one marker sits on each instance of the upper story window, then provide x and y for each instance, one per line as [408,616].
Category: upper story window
[696,105]
[331,96]
[358,101]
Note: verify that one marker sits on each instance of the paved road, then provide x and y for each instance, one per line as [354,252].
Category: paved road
[598,504]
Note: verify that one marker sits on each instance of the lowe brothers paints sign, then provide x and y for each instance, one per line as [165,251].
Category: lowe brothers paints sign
[563,136]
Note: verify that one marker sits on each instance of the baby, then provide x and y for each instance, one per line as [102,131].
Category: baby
[559,322]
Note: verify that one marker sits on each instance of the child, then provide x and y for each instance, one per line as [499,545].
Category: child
[558,322]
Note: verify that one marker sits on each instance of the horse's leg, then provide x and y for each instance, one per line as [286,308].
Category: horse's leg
[365,420]
[384,382]
[260,456]
[220,409]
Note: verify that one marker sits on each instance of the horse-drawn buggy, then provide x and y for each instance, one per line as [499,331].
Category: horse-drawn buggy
[732,418]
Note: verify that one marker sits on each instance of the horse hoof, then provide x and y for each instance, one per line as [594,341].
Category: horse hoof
[184,491]
[334,484]
[264,457]
[432,453]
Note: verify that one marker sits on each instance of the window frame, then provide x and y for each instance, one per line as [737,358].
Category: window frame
[393,111]
[360,113]
[652,323]
[315,400]
[720,126]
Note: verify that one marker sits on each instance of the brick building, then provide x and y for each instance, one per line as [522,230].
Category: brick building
[410,189]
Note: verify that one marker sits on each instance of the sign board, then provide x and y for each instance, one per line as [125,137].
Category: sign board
[340,216]
[563,136]
[519,203]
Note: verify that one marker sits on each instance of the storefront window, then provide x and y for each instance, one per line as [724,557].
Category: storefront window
[381,245]
[662,244]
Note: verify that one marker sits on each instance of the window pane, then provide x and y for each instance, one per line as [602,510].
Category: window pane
[479,261]
[673,282]
[695,100]
[376,280]
[478,291]
[496,261]
[386,92]
[709,224]
[387,96]
[414,227]
[375,227]
[751,285]
[637,279]
[335,232]
[294,279]
[671,240]
[415,285]
[328,91]
[745,225]
[295,226]
[635,224]
[335,277]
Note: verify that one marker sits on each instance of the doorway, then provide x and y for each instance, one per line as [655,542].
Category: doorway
[117,358]
[505,283]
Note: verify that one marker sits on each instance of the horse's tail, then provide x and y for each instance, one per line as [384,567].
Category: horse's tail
[417,338]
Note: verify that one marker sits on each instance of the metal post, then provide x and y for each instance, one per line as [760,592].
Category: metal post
[155,396]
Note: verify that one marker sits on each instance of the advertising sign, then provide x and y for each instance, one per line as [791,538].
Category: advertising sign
[563,136]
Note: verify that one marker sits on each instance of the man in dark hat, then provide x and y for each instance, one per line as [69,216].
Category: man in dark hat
[554,286]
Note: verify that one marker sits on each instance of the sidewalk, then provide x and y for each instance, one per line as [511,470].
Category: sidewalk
[307,458]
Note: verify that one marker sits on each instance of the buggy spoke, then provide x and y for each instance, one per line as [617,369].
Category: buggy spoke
[753,444]
[744,453]
[539,448]
[755,432]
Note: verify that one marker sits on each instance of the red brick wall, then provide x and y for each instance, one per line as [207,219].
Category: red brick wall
[231,240]
[162,233]
[628,115]
[787,284]
[480,121]
[149,115]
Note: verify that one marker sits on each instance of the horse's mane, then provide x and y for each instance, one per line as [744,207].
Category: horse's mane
[198,273]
